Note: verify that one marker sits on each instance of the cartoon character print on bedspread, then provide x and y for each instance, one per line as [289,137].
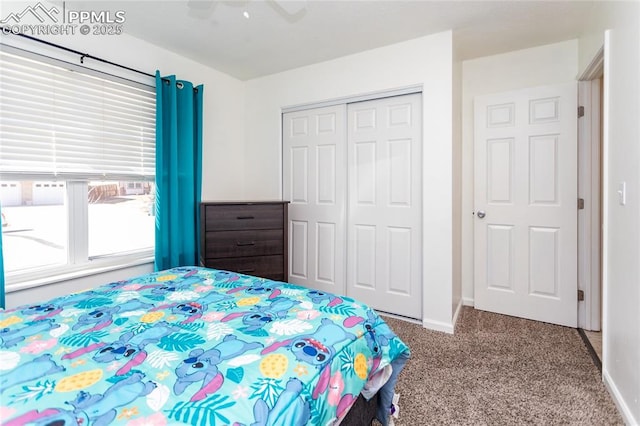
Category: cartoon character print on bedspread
[376,333]
[129,347]
[41,318]
[162,283]
[55,306]
[259,316]
[316,348]
[202,366]
[37,368]
[164,288]
[248,351]
[11,336]
[290,408]
[319,297]
[254,286]
[194,310]
[103,316]
[88,409]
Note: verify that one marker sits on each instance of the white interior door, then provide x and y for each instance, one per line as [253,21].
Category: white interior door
[525,245]
[384,204]
[314,176]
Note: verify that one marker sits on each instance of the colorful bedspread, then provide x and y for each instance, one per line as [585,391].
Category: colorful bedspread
[192,346]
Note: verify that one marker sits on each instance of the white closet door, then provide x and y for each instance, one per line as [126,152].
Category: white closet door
[314,176]
[385,203]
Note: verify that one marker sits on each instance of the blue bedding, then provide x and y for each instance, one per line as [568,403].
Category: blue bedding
[193,346]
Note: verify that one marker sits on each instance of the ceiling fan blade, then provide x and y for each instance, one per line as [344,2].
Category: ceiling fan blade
[291,10]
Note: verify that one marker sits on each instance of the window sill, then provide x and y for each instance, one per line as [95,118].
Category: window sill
[23,281]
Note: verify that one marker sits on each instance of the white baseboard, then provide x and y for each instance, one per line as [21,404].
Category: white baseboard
[443,326]
[623,408]
[456,313]
[399,317]
[438,326]
[468,301]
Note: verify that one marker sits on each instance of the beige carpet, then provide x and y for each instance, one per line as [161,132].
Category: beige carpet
[500,370]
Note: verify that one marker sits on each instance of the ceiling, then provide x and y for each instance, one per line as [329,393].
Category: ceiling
[285,34]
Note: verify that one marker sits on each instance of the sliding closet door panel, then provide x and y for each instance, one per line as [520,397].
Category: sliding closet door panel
[384,224]
[365,164]
[299,175]
[314,176]
[298,235]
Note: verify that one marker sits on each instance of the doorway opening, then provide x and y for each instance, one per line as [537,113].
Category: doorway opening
[590,167]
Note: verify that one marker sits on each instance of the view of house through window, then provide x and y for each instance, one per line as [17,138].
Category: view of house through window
[34,231]
[120,218]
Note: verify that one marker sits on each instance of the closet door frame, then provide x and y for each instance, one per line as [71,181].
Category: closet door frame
[341,271]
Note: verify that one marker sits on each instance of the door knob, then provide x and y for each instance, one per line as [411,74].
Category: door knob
[481,214]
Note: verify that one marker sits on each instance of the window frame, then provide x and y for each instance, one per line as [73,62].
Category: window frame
[79,263]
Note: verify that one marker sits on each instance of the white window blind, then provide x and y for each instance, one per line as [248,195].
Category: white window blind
[61,121]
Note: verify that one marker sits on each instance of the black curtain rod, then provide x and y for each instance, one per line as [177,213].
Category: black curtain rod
[85,55]
[77,52]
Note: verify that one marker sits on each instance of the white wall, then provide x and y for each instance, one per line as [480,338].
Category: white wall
[596,23]
[32,295]
[223,144]
[425,61]
[538,66]
[621,257]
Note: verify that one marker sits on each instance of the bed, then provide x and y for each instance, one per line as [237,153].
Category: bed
[195,346]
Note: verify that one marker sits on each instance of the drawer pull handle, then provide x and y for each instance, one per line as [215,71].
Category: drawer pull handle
[246,271]
[245,243]
[245,217]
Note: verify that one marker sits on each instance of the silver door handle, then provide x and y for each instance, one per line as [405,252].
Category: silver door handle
[481,214]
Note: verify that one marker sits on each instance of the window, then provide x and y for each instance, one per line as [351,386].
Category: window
[77,165]
[124,222]
[34,234]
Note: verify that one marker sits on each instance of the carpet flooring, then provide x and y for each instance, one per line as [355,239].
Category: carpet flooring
[500,370]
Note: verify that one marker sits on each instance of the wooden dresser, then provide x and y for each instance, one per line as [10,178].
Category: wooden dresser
[249,237]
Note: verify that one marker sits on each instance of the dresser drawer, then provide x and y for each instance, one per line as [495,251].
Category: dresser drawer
[243,243]
[245,236]
[230,217]
[271,267]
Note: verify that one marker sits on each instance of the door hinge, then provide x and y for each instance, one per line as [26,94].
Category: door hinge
[580,295]
[580,203]
[580,111]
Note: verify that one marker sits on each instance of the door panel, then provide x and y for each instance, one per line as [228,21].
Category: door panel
[314,175]
[299,168]
[500,253]
[299,248]
[326,242]
[385,204]
[525,169]
[500,168]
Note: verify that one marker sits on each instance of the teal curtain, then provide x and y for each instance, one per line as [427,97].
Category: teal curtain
[178,171]
[2,305]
